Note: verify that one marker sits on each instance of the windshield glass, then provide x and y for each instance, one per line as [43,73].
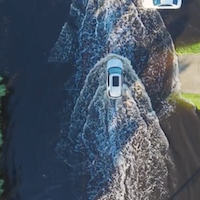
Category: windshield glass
[115,70]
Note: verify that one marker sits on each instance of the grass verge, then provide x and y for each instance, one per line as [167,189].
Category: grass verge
[195,98]
[189,49]
[2,93]
[185,100]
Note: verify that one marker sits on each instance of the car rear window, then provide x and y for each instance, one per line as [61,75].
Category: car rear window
[115,81]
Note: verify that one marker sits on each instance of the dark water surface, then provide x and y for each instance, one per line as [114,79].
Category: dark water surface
[182,129]
[183,24]
[29,162]
[30,165]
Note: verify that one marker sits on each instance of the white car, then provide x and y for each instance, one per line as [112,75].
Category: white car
[162,4]
[114,78]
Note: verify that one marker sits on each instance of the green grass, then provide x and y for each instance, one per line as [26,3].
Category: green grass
[186,100]
[189,49]
[195,98]
[2,93]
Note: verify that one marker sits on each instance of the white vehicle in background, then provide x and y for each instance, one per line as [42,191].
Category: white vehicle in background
[114,78]
[162,4]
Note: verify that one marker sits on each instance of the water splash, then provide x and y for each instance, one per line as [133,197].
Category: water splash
[118,143]
[123,28]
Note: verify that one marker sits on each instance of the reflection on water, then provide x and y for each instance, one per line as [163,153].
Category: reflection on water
[182,128]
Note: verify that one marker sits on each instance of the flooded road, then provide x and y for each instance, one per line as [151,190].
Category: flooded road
[33,130]
[182,129]
[30,165]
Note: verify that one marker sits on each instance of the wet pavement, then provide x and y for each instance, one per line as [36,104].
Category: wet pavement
[189,67]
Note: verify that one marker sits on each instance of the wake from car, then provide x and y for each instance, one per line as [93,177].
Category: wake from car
[117,146]
[118,143]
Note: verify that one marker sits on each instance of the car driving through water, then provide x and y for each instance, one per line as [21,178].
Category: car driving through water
[162,4]
[114,78]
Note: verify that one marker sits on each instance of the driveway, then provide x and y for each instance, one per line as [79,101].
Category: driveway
[189,67]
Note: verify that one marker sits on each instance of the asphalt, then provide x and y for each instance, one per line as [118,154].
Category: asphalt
[189,68]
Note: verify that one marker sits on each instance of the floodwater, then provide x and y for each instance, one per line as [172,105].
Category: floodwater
[182,129]
[38,163]
[182,23]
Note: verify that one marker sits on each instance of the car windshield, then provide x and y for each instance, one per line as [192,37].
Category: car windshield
[115,70]
[115,81]
[156,2]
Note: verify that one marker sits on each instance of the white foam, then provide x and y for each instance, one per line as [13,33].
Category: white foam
[124,147]
[119,143]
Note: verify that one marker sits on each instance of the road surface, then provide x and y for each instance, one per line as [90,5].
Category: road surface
[189,67]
